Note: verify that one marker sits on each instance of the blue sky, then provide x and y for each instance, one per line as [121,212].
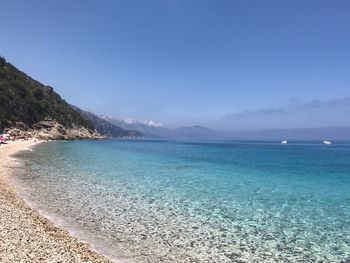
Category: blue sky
[189,62]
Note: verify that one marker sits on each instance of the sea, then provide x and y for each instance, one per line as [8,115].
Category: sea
[147,200]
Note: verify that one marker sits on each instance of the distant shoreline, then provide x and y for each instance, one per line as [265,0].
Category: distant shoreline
[27,236]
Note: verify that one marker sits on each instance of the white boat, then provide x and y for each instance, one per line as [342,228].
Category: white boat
[327,142]
[284,142]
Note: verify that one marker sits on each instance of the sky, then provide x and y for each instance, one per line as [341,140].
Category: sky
[230,65]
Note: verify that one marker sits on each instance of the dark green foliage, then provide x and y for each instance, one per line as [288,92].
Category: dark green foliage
[23,99]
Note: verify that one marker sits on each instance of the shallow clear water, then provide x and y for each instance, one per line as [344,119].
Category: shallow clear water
[196,201]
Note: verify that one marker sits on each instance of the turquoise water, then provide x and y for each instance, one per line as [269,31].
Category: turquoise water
[197,201]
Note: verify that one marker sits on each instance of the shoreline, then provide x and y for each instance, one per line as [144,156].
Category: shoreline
[26,235]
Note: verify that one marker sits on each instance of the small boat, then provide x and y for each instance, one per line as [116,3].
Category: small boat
[327,142]
[284,142]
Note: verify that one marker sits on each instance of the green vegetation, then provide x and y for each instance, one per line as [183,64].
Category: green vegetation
[23,99]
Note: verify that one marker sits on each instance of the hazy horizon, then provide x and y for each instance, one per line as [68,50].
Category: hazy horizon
[223,65]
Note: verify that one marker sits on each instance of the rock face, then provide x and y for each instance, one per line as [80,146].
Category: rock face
[52,130]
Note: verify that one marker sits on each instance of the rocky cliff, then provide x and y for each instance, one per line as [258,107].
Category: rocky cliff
[51,130]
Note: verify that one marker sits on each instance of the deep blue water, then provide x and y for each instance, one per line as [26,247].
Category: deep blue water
[197,201]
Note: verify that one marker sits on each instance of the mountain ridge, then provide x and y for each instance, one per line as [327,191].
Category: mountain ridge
[193,131]
[200,132]
[105,127]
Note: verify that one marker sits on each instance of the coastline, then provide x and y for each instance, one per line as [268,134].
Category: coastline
[25,234]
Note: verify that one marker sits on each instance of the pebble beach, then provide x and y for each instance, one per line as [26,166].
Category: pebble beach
[25,235]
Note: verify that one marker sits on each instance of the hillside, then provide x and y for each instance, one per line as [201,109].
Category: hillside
[25,100]
[105,127]
[37,110]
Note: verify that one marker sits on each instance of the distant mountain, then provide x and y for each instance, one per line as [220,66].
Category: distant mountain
[194,131]
[154,129]
[105,127]
[27,101]
[147,130]
[199,132]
